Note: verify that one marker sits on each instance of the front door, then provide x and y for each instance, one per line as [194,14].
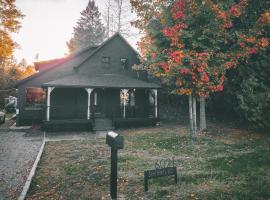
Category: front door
[98,102]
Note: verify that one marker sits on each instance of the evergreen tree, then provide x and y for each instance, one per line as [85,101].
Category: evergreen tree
[89,30]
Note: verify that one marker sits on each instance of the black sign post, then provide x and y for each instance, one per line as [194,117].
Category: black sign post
[115,142]
[113,173]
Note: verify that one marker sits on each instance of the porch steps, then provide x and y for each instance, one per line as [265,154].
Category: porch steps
[103,124]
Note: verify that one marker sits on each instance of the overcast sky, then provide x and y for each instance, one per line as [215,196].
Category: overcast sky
[47,25]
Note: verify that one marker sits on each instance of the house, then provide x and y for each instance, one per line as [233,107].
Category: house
[94,88]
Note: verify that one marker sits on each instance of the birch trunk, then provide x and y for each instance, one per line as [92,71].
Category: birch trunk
[190,114]
[202,114]
[194,115]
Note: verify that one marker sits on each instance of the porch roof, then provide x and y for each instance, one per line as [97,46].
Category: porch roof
[100,81]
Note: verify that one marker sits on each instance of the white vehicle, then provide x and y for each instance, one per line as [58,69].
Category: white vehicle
[2,117]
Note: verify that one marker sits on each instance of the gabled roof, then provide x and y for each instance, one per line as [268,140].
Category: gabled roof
[75,58]
[40,65]
[100,81]
[45,66]
[104,44]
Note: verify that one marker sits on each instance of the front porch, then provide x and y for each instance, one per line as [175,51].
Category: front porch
[83,109]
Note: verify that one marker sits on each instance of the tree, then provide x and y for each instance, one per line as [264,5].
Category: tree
[89,30]
[247,90]
[190,45]
[9,23]
[118,18]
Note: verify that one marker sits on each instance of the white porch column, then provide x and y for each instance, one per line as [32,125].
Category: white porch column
[156,105]
[89,91]
[125,98]
[49,90]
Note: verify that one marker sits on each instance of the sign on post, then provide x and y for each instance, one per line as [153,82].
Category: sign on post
[115,141]
[163,168]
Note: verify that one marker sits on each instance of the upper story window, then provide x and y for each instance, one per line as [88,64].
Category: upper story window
[105,59]
[35,96]
[124,63]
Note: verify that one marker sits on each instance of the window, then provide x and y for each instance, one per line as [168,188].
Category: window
[124,63]
[127,97]
[95,98]
[105,59]
[35,96]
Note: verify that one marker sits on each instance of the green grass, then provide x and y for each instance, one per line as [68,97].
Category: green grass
[229,165]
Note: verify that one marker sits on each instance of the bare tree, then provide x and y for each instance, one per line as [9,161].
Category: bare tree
[118,17]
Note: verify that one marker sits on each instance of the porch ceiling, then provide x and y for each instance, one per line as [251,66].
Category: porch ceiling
[100,81]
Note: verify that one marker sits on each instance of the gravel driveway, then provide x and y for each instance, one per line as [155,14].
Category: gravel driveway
[17,155]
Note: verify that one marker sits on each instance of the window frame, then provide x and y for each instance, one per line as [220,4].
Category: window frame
[34,103]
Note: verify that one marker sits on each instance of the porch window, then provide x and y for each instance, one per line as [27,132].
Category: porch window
[95,98]
[35,96]
[127,101]
[127,98]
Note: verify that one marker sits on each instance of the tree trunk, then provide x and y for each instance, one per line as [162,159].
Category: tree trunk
[202,114]
[108,18]
[120,3]
[190,114]
[194,115]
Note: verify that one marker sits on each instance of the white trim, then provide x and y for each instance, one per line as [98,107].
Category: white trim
[156,107]
[49,90]
[125,92]
[89,91]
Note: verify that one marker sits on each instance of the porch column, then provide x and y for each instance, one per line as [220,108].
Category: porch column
[156,106]
[125,96]
[89,91]
[49,90]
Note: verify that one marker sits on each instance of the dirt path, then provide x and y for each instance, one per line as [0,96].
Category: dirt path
[17,155]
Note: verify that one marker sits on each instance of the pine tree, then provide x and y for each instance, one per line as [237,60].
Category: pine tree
[89,30]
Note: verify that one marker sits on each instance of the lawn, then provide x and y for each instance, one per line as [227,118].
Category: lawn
[225,163]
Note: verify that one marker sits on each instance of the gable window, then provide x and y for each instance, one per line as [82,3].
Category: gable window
[105,59]
[124,63]
[35,96]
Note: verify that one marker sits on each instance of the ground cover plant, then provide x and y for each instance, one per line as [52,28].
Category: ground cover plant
[225,163]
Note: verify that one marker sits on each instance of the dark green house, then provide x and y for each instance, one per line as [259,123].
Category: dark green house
[95,88]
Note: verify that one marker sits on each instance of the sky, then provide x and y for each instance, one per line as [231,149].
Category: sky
[47,26]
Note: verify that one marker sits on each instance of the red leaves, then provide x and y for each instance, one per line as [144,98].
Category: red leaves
[178,15]
[235,11]
[217,88]
[170,32]
[205,77]
[165,67]
[230,64]
[265,18]
[252,50]
[177,56]
[184,71]
[178,10]
[263,42]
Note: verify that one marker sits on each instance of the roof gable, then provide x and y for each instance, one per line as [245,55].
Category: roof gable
[75,60]
[104,44]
